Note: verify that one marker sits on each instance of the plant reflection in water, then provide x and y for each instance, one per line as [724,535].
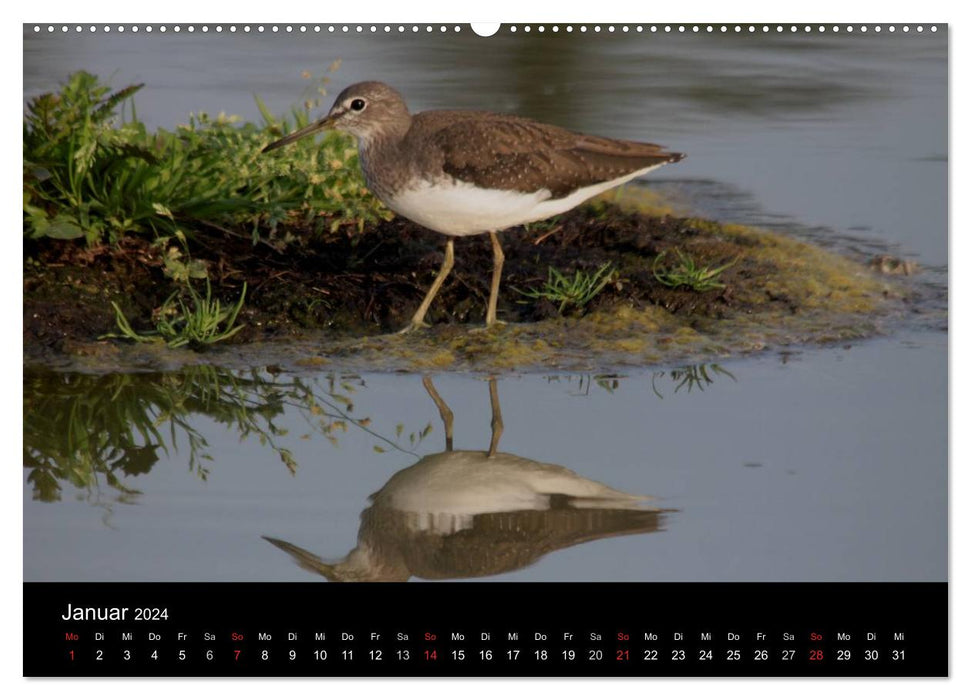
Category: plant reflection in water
[95,430]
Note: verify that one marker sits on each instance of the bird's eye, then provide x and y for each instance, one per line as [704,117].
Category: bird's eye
[357,105]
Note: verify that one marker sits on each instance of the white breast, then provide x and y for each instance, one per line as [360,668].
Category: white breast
[461,209]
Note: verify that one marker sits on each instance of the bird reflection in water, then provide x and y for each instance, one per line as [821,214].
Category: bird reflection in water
[464,513]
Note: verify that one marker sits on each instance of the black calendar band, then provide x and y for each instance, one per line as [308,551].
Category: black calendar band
[486,629]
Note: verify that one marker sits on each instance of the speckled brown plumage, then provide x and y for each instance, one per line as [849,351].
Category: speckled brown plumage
[505,152]
[501,151]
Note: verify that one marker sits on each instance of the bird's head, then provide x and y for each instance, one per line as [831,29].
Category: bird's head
[367,110]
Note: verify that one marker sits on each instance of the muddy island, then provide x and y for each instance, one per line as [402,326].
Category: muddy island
[166,248]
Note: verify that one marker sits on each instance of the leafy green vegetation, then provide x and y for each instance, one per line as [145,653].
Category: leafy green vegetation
[198,322]
[91,173]
[687,273]
[576,291]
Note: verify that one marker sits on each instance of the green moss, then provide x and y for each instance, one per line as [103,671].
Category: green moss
[633,198]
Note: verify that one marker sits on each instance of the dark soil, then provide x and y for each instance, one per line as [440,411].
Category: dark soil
[373,282]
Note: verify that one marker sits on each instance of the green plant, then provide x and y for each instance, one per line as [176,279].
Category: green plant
[199,322]
[90,173]
[686,272]
[576,291]
[178,265]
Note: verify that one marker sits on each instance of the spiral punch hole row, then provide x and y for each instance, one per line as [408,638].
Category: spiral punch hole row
[513,29]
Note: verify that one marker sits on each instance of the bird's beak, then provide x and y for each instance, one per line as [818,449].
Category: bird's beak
[319,125]
[305,560]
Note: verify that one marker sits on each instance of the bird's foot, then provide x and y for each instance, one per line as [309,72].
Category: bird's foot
[414,326]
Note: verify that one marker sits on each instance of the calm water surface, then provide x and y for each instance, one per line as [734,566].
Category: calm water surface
[825,464]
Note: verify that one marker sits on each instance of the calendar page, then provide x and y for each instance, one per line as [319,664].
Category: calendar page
[485,350]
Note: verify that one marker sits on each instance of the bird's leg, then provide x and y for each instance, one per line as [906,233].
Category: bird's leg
[418,320]
[498,258]
[448,419]
[497,426]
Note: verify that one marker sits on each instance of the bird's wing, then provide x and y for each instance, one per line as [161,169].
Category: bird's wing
[520,154]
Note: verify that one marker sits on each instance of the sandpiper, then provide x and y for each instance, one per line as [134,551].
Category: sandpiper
[463,173]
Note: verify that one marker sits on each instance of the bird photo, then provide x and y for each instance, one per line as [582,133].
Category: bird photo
[276,278]
[463,173]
